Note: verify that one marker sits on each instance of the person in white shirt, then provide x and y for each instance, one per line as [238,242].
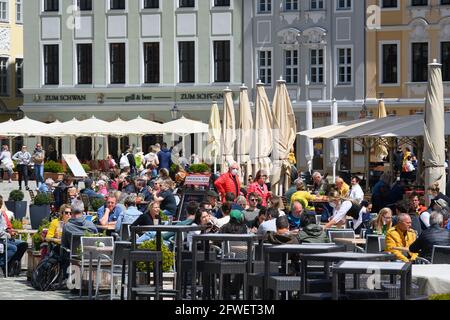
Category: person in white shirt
[6,162]
[343,208]
[356,192]
[23,158]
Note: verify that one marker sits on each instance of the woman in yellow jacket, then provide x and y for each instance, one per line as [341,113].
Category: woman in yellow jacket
[303,196]
[401,236]
[54,230]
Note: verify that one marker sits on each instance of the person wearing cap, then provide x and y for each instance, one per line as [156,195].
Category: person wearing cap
[229,182]
[212,197]
[101,184]
[47,186]
[260,188]
[235,225]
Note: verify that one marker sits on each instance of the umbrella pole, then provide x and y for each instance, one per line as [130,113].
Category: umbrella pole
[119,142]
[367,161]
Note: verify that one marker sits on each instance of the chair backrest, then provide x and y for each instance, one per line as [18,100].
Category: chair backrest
[382,241]
[125,233]
[343,233]
[85,199]
[75,245]
[120,251]
[440,255]
[93,242]
[373,244]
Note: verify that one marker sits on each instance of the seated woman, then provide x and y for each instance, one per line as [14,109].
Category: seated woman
[56,226]
[148,219]
[383,222]
[166,198]
[202,218]
[303,195]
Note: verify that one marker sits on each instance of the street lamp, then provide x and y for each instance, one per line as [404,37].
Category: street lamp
[20,113]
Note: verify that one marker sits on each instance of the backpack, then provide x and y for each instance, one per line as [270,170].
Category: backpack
[46,273]
[124,162]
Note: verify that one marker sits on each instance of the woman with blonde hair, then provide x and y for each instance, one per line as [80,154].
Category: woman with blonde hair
[383,222]
[342,208]
[56,226]
[277,203]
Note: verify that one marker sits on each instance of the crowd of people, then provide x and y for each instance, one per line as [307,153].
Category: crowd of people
[144,191]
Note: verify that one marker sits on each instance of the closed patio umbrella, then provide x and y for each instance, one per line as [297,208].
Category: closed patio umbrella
[309,151]
[334,148]
[262,146]
[228,130]
[434,141]
[244,140]
[381,151]
[284,133]
[214,135]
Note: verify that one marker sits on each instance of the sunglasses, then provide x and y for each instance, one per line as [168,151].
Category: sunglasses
[253,199]
[67,212]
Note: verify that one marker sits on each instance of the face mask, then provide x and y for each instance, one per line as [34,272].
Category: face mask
[332,204]
[234,172]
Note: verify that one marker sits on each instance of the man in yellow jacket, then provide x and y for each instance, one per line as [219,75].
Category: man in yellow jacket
[401,236]
[342,187]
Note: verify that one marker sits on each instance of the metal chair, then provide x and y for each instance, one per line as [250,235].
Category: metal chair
[440,255]
[125,233]
[4,245]
[148,290]
[374,243]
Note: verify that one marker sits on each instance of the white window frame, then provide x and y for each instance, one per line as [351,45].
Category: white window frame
[108,7]
[292,3]
[264,13]
[230,7]
[142,64]
[17,4]
[380,63]
[317,66]
[75,63]
[176,62]
[8,85]
[291,67]
[230,39]
[316,9]
[108,62]
[6,19]
[141,3]
[337,65]
[338,9]
[42,44]
[178,8]
[51,12]
[258,50]
[389,9]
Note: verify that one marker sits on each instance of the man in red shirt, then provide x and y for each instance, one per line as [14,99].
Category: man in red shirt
[229,182]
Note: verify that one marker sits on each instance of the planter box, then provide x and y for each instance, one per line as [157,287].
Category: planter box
[18,207]
[37,214]
[34,257]
[54,176]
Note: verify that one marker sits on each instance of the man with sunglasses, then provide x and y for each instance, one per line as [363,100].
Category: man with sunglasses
[252,211]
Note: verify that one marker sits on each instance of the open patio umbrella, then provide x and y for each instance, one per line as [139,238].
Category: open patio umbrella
[309,151]
[228,130]
[381,151]
[184,127]
[141,127]
[23,127]
[262,146]
[334,150]
[244,140]
[284,133]
[214,135]
[434,141]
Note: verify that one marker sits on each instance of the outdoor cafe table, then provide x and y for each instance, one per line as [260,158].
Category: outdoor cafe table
[354,241]
[26,232]
[368,267]
[295,249]
[91,250]
[221,237]
[339,256]
[178,230]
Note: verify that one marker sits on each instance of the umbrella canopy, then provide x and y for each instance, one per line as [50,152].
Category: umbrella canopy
[334,151]
[228,129]
[381,151]
[214,134]
[141,127]
[120,127]
[309,151]
[434,142]
[245,133]
[331,131]
[184,127]
[284,131]
[262,146]
[23,127]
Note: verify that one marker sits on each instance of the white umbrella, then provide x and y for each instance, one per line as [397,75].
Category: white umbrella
[284,130]
[434,142]
[245,133]
[228,129]
[262,146]
[309,152]
[331,131]
[214,134]
[334,150]
[23,127]
[184,127]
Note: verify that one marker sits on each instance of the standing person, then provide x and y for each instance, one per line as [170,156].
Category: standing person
[127,161]
[341,209]
[139,159]
[381,193]
[356,192]
[164,157]
[229,182]
[151,158]
[38,159]
[51,153]
[23,158]
[6,163]
[259,187]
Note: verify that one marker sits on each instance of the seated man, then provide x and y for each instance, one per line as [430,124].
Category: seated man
[89,189]
[129,215]
[270,224]
[311,232]
[401,236]
[110,212]
[435,235]
[282,235]
[296,214]
[16,248]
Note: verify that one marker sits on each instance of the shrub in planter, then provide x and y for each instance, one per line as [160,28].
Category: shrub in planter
[96,203]
[167,256]
[16,224]
[16,204]
[42,199]
[54,167]
[199,168]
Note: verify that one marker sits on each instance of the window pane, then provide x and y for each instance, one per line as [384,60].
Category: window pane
[186,53]
[84,62]
[117,63]
[151,62]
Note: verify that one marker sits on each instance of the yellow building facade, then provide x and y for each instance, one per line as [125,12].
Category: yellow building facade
[11,57]
[402,37]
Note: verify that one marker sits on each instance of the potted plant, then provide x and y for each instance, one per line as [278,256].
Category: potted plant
[40,209]
[201,168]
[16,204]
[96,203]
[167,261]
[54,170]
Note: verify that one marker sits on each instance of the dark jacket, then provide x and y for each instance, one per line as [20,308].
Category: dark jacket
[312,233]
[131,160]
[433,236]
[165,158]
[76,226]
[274,238]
